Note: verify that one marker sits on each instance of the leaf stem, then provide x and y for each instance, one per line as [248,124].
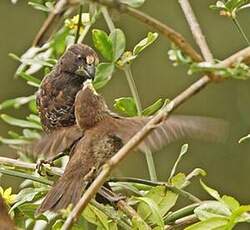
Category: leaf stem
[111,214]
[241,31]
[25,176]
[79,24]
[135,94]
[108,19]
[172,188]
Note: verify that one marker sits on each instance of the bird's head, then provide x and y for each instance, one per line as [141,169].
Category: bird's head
[81,60]
[90,107]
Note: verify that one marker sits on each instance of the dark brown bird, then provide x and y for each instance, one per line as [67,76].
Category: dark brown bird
[56,95]
[5,221]
[104,135]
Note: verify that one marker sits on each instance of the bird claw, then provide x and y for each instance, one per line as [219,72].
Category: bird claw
[40,166]
[117,198]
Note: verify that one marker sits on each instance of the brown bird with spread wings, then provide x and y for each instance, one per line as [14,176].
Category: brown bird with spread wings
[104,134]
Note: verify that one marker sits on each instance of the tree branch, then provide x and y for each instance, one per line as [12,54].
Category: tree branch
[196,30]
[139,136]
[25,165]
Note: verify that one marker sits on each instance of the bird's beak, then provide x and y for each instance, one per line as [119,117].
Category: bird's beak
[86,71]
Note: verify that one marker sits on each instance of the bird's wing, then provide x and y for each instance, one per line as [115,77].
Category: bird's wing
[172,129]
[55,142]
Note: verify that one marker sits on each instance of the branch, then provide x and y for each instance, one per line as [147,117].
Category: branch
[25,165]
[48,23]
[139,136]
[196,30]
[172,188]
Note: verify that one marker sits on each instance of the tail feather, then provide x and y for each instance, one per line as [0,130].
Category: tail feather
[62,194]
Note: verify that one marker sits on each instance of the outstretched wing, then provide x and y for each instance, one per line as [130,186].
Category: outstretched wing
[174,128]
[55,142]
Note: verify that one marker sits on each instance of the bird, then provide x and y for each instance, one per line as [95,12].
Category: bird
[5,221]
[56,95]
[104,134]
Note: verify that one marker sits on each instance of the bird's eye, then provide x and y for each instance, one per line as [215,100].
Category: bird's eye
[79,57]
[90,60]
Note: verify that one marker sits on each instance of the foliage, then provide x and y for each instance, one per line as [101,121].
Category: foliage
[156,203]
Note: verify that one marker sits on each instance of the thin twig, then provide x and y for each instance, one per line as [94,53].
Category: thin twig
[26,165]
[108,19]
[79,24]
[56,12]
[135,94]
[196,30]
[128,210]
[172,188]
[241,31]
[112,215]
[25,176]
[139,136]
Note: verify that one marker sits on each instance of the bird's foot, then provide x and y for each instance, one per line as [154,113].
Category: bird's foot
[110,196]
[41,167]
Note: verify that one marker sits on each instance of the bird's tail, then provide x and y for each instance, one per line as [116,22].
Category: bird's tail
[66,191]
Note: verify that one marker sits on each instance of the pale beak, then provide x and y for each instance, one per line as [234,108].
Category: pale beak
[87,71]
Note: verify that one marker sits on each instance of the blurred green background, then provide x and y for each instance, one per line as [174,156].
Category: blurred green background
[227,165]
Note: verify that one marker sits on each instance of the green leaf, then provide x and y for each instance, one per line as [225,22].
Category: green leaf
[133,3]
[20,123]
[210,224]
[210,209]
[126,105]
[96,217]
[152,109]
[58,225]
[196,172]
[145,43]
[28,195]
[138,224]
[29,210]
[212,192]
[104,73]
[30,79]
[8,141]
[118,43]
[239,215]
[31,134]
[155,214]
[179,180]
[33,107]
[58,43]
[184,149]
[231,202]
[17,102]
[163,198]
[33,118]
[103,43]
